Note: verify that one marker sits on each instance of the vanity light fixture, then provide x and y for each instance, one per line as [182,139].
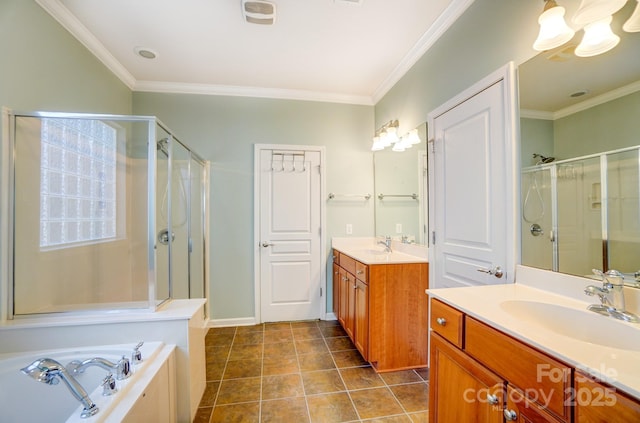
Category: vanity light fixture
[554,31]
[387,136]
[595,10]
[633,23]
[594,16]
[598,38]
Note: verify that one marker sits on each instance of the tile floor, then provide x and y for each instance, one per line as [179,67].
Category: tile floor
[296,372]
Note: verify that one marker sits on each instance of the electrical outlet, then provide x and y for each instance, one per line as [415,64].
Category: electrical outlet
[349,229]
[398,228]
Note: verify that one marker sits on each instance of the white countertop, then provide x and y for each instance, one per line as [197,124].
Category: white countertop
[618,367]
[368,251]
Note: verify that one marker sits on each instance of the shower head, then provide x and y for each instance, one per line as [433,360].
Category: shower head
[543,159]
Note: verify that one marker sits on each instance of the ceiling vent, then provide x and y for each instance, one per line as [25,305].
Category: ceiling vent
[259,12]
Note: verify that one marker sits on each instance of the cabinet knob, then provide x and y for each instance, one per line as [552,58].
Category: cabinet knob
[359,272]
[492,399]
[510,415]
[441,321]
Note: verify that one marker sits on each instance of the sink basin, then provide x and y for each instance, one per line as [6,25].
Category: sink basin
[374,252]
[582,325]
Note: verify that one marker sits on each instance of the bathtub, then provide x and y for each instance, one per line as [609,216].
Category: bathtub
[23,399]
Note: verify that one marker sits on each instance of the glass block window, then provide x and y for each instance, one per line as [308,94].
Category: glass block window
[77,182]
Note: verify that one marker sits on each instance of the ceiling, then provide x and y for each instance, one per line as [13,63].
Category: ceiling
[547,81]
[349,51]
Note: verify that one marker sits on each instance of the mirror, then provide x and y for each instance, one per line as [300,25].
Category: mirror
[580,155]
[400,184]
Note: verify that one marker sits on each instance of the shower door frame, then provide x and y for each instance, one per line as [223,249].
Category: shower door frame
[8,195]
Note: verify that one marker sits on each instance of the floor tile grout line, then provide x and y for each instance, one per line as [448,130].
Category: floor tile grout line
[215,401]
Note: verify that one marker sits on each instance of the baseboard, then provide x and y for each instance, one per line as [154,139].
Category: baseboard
[241,321]
[330,316]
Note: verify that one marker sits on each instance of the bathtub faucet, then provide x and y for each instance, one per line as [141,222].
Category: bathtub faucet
[49,371]
[122,367]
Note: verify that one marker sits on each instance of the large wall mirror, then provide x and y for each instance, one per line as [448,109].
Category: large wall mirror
[400,182]
[580,155]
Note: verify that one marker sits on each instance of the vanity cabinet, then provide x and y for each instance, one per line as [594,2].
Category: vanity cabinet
[476,394]
[382,309]
[596,402]
[478,369]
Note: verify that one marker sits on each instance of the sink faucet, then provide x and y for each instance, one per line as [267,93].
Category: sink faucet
[387,244]
[611,295]
[122,367]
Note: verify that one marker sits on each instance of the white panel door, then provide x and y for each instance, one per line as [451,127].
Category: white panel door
[471,199]
[289,244]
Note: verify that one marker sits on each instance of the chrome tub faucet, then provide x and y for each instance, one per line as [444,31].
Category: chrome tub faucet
[122,367]
[49,371]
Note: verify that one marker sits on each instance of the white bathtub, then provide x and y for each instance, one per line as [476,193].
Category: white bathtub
[23,399]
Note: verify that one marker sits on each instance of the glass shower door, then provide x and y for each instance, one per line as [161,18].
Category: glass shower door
[164,232]
[537,220]
[179,203]
[196,230]
[579,200]
[623,209]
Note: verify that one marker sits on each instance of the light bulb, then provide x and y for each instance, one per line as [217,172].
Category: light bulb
[554,31]
[598,38]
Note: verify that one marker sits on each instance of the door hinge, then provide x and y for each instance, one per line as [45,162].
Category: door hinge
[321,292]
[433,144]
[433,238]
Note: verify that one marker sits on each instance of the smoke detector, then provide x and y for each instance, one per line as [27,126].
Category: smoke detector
[259,12]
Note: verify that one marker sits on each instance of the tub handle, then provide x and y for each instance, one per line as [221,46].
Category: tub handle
[136,356]
[109,385]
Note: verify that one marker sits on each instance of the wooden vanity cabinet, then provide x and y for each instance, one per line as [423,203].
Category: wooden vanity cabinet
[460,388]
[382,309]
[538,388]
[596,402]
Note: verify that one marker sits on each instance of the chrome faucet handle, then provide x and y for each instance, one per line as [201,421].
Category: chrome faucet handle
[123,369]
[109,385]
[136,356]
[597,272]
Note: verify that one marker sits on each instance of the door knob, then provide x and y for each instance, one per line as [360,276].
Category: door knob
[266,244]
[496,271]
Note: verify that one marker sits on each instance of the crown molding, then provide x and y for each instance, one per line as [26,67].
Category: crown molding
[583,105]
[238,91]
[61,14]
[439,27]
[86,38]
[596,101]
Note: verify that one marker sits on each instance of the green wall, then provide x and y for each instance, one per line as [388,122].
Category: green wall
[45,68]
[605,127]
[224,130]
[488,35]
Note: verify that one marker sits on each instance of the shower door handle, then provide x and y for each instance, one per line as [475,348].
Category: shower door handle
[163,236]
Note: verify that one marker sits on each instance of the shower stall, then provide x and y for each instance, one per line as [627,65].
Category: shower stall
[583,213]
[107,212]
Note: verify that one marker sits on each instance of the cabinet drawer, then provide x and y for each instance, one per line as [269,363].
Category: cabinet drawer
[447,321]
[543,380]
[347,263]
[362,271]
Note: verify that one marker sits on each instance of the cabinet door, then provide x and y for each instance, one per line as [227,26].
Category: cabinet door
[598,403]
[346,302]
[336,288]
[461,389]
[362,318]
[521,410]
[343,300]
